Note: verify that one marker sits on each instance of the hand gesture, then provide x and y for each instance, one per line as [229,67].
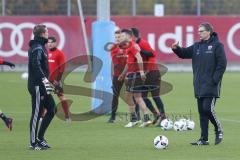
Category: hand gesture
[175,45]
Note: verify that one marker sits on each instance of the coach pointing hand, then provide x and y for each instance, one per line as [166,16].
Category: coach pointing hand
[208,64]
[175,45]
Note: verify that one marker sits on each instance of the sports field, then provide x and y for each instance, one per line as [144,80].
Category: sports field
[98,140]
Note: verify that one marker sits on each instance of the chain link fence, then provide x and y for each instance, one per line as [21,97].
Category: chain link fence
[119,7]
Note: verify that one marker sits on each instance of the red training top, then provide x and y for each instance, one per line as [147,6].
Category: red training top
[1,61]
[149,62]
[56,60]
[131,51]
[119,59]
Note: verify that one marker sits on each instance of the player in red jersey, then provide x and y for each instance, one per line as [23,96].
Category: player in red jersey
[134,79]
[7,120]
[119,59]
[153,77]
[56,61]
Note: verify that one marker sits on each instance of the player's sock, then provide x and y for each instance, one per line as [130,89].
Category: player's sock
[149,105]
[159,104]
[133,117]
[65,108]
[146,118]
[113,115]
[137,110]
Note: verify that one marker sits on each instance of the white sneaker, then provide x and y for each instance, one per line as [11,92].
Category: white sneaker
[131,124]
[68,120]
[145,124]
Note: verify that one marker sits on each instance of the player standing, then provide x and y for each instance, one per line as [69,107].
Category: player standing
[39,87]
[153,77]
[119,61]
[135,77]
[56,61]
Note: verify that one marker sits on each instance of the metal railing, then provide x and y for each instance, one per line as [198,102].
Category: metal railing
[120,7]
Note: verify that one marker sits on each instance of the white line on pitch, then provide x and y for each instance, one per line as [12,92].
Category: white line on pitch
[230,120]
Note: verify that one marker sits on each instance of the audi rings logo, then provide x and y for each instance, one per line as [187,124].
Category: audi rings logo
[17,34]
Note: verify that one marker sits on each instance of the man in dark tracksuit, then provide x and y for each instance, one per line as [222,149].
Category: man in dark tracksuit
[209,64]
[39,87]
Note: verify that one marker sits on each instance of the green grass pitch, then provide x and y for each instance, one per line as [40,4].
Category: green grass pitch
[98,140]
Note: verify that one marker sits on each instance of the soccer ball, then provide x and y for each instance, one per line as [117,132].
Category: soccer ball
[178,126]
[24,76]
[166,124]
[160,142]
[190,124]
[184,121]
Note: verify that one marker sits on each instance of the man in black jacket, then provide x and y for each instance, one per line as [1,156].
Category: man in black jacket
[39,87]
[209,64]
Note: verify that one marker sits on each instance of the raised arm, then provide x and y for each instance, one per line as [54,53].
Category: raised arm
[181,52]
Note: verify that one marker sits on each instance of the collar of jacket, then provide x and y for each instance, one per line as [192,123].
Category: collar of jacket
[41,40]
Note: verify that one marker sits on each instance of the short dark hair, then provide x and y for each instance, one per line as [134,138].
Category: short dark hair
[127,31]
[135,32]
[52,38]
[39,29]
[207,26]
[117,32]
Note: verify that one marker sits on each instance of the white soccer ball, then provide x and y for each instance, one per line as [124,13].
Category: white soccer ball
[160,142]
[166,124]
[178,126]
[190,124]
[24,76]
[184,121]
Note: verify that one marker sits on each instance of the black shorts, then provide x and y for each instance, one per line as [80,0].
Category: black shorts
[152,83]
[134,83]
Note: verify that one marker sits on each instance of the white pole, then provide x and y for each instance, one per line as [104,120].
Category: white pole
[84,33]
[69,7]
[198,7]
[134,8]
[103,10]
[3,7]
